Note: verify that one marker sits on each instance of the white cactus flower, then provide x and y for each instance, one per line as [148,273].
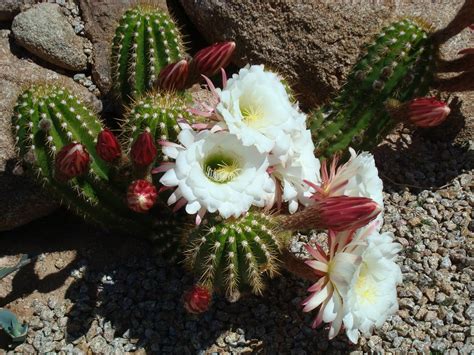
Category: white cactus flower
[292,162]
[358,281]
[255,106]
[372,294]
[214,172]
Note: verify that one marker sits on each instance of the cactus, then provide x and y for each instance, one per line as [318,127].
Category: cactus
[157,113]
[233,254]
[398,65]
[46,120]
[146,40]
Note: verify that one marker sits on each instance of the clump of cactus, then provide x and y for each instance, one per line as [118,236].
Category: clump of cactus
[71,153]
[111,183]
[146,41]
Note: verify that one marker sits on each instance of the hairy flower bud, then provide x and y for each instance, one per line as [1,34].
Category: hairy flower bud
[143,151]
[197,299]
[174,76]
[108,147]
[209,61]
[141,196]
[427,111]
[72,160]
[336,213]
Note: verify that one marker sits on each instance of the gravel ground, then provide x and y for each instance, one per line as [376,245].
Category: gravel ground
[134,304]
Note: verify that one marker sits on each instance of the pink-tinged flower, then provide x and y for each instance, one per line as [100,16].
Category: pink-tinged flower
[72,160]
[208,61]
[427,112]
[108,146]
[336,268]
[197,299]
[358,177]
[358,278]
[174,76]
[143,151]
[141,196]
[337,213]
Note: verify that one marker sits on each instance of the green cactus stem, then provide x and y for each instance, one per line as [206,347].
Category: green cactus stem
[234,254]
[46,119]
[146,40]
[399,64]
[157,113]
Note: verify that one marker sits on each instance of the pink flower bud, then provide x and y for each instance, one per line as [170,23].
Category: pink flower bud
[209,61]
[197,299]
[427,112]
[336,213]
[141,196]
[108,147]
[174,76]
[72,160]
[143,151]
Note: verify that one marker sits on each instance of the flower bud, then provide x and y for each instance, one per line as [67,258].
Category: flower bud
[108,147]
[143,151]
[141,196]
[174,76]
[336,213]
[427,111]
[72,160]
[208,61]
[197,300]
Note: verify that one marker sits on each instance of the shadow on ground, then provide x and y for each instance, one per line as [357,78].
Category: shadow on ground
[121,293]
[426,158]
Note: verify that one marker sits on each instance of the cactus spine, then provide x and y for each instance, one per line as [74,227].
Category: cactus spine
[233,254]
[398,65]
[145,41]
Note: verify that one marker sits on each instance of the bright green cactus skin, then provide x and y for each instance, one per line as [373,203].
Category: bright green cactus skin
[145,41]
[398,65]
[157,113]
[46,119]
[233,254]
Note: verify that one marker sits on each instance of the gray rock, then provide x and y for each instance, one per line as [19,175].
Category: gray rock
[9,8]
[45,31]
[22,200]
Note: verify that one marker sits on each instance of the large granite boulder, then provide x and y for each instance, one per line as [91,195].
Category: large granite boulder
[313,43]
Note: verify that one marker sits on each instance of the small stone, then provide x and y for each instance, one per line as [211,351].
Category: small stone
[445,262]
[430,316]
[98,345]
[458,336]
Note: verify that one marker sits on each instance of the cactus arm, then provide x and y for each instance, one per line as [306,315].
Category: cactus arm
[145,41]
[398,64]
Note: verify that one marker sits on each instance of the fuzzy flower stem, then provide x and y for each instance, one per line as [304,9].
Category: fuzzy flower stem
[337,213]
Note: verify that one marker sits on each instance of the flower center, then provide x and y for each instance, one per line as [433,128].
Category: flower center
[251,110]
[221,168]
[365,287]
